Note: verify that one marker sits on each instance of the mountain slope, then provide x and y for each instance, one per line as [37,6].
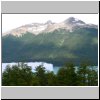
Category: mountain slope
[56,46]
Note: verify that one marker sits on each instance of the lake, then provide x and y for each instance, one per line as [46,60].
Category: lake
[48,66]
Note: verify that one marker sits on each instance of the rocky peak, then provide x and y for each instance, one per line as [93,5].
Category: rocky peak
[72,20]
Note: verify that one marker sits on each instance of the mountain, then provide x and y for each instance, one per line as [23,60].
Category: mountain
[52,42]
[37,28]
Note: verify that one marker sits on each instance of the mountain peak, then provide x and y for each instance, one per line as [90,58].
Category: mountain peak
[72,20]
[49,22]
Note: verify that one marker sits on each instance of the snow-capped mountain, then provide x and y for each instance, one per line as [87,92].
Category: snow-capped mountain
[69,24]
[56,43]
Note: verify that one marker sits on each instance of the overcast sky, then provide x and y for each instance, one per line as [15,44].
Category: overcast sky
[11,21]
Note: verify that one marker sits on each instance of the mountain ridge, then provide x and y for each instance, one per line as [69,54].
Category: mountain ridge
[69,24]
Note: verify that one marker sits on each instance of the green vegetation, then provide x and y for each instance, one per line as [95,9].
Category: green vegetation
[22,75]
[55,47]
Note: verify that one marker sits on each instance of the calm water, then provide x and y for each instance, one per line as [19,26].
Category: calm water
[48,66]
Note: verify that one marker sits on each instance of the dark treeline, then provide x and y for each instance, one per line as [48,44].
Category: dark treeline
[22,75]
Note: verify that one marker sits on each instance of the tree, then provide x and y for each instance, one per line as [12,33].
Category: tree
[67,76]
[6,76]
[51,79]
[26,73]
[83,70]
[92,77]
[72,79]
[62,77]
[40,75]
[35,80]
[17,75]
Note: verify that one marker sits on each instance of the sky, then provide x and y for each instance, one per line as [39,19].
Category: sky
[11,21]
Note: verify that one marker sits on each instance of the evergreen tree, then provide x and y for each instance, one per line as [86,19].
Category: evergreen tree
[72,79]
[67,76]
[40,75]
[62,77]
[83,70]
[92,77]
[17,75]
[51,79]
